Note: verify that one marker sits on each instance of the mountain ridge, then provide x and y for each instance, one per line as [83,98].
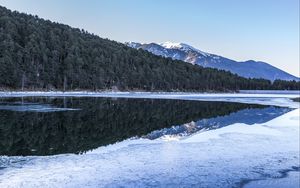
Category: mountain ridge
[190,54]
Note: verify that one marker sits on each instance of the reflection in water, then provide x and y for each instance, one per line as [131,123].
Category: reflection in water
[103,121]
[248,116]
[33,108]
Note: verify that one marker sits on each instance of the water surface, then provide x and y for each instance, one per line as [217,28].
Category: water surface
[51,125]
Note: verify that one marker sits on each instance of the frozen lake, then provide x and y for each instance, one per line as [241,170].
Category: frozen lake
[148,139]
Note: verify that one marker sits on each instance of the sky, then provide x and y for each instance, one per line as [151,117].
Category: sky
[261,30]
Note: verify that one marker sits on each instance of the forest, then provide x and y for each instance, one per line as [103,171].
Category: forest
[37,54]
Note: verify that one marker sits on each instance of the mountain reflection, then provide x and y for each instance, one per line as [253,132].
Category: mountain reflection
[248,116]
[103,121]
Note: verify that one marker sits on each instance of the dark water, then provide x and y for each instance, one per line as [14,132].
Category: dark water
[48,126]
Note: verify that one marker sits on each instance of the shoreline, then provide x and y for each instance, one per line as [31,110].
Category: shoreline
[158,91]
[59,92]
[276,99]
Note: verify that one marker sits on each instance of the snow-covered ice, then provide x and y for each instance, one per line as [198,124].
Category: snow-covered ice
[290,180]
[225,157]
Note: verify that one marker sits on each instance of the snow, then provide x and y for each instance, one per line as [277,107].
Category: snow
[171,45]
[182,46]
[133,44]
[295,92]
[225,157]
[292,181]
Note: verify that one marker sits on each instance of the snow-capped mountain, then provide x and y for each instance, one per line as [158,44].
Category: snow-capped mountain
[187,53]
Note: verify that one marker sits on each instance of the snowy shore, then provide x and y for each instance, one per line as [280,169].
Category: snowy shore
[251,98]
[225,157]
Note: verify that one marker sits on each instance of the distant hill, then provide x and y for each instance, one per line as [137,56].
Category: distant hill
[40,54]
[187,53]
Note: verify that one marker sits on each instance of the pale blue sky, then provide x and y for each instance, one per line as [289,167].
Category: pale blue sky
[265,30]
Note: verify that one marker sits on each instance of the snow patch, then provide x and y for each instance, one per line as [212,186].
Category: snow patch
[183,46]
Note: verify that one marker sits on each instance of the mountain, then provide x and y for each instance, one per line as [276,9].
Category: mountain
[37,54]
[187,53]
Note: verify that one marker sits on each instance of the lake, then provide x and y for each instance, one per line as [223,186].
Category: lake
[58,125]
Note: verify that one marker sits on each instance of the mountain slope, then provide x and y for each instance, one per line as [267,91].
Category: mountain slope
[184,52]
[39,54]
